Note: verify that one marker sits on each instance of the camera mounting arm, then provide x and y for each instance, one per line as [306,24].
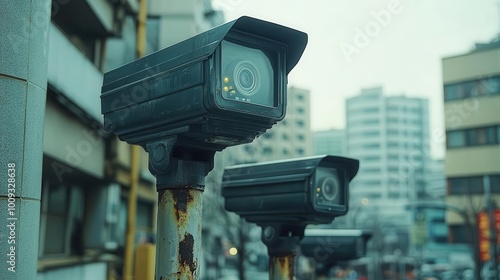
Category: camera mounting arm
[283,246]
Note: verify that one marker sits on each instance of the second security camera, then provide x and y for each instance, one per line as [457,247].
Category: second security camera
[301,191]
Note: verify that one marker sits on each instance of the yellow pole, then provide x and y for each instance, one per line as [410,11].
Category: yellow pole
[132,206]
[134,160]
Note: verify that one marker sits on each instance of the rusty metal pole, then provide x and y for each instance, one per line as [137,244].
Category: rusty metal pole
[179,233]
[282,267]
[180,182]
[283,247]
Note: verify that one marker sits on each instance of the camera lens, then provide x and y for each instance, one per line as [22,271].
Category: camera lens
[246,78]
[330,188]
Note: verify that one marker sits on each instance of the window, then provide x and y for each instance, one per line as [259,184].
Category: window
[61,219]
[372,146]
[480,87]
[473,137]
[267,150]
[495,183]
[392,132]
[370,133]
[370,110]
[54,212]
[300,137]
[300,110]
[144,220]
[370,158]
[481,136]
[268,135]
[455,139]
[466,185]
[300,123]
[300,151]
[392,144]
[371,122]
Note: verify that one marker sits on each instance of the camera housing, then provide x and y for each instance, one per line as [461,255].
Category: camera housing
[221,88]
[334,245]
[302,191]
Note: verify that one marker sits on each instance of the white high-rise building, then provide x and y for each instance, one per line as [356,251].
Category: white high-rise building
[330,142]
[289,138]
[388,134]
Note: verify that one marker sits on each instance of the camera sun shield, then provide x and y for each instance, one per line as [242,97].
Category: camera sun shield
[221,88]
[302,191]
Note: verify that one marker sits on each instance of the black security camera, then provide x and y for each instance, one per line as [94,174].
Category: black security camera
[295,192]
[221,88]
[334,245]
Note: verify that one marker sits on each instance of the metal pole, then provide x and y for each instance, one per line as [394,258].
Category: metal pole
[179,233]
[131,214]
[23,84]
[282,267]
[493,232]
[283,246]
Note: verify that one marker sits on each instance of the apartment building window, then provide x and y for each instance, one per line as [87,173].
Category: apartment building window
[371,122]
[371,110]
[467,89]
[495,183]
[392,120]
[61,219]
[455,139]
[370,158]
[481,136]
[375,133]
[473,137]
[372,146]
[466,185]
[267,150]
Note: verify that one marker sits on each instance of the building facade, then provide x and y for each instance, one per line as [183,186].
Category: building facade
[471,100]
[388,134]
[289,138]
[329,142]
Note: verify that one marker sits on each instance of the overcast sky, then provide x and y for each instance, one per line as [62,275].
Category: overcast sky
[401,52]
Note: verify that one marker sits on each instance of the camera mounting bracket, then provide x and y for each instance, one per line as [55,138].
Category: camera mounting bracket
[178,169]
[282,239]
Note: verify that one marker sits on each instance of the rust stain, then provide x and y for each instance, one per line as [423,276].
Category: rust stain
[286,265]
[182,199]
[187,263]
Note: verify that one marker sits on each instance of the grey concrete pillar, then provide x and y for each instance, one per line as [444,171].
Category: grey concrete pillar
[24,29]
